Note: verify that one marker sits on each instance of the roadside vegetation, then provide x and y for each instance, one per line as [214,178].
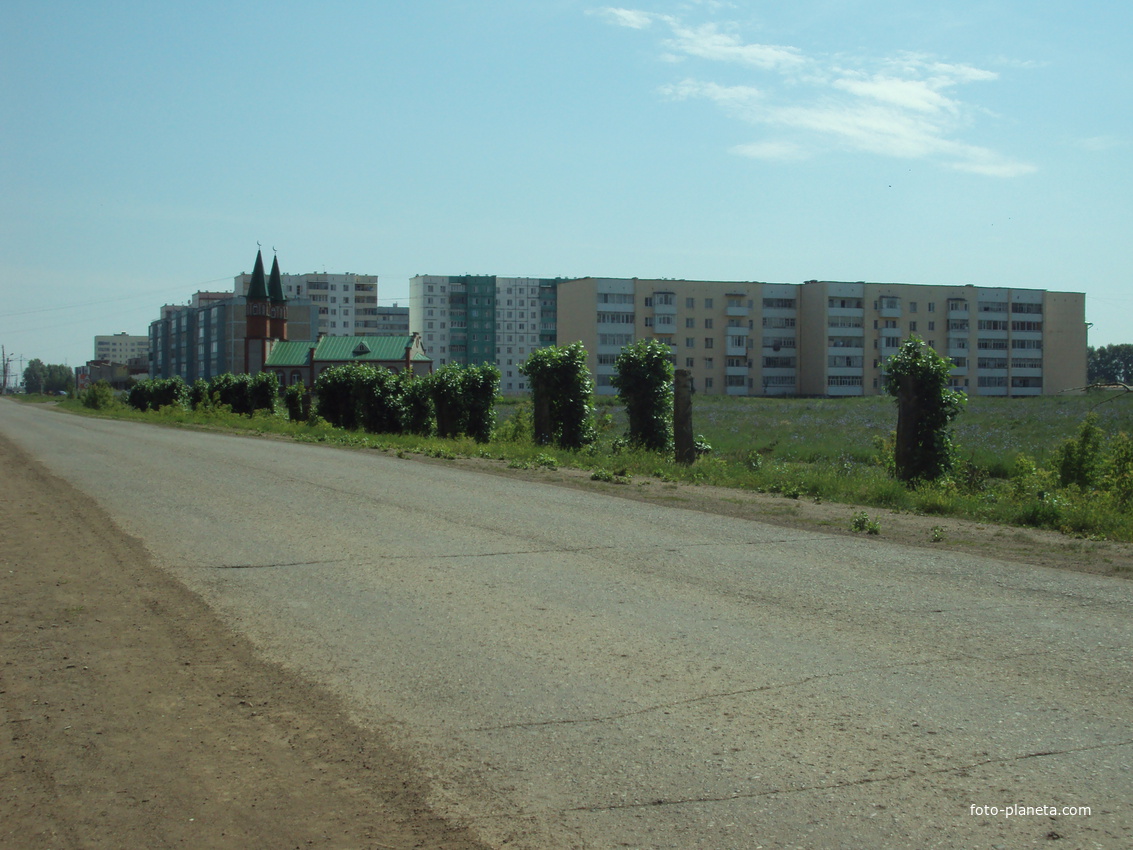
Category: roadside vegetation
[1055,462]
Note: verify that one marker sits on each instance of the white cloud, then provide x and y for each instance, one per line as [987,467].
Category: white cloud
[740,100]
[904,105]
[632,18]
[707,42]
[777,151]
[917,95]
[1100,143]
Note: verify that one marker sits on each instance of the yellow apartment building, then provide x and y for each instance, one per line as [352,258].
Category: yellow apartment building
[829,338]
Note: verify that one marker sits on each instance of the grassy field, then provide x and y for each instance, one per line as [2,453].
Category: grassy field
[825,449]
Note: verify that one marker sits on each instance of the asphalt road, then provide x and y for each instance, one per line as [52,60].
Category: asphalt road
[571,669]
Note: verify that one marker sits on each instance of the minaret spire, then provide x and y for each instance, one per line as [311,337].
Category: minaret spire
[278,309]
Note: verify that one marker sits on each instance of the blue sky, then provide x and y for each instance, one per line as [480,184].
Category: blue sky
[146,148]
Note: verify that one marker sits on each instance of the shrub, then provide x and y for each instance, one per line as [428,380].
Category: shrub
[417,405]
[298,403]
[1117,474]
[380,399]
[918,378]
[156,393]
[263,392]
[644,382]
[99,396]
[464,400]
[479,387]
[861,522]
[233,391]
[1078,460]
[562,391]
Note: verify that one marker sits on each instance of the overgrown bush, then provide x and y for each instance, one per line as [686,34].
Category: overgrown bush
[199,395]
[298,403]
[263,392]
[480,385]
[644,381]
[233,391]
[99,396]
[464,400]
[1078,460]
[337,398]
[1118,470]
[156,393]
[562,395]
[417,404]
[918,377]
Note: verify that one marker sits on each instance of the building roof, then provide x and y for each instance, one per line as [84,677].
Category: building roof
[345,349]
[289,353]
[366,348]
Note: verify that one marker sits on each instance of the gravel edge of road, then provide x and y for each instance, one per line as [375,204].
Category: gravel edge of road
[133,717]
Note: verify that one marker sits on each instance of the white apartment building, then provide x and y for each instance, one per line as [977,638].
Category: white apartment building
[474,319]
[347,304]
[121,347]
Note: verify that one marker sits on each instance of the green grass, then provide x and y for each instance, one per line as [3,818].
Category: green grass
[827,449]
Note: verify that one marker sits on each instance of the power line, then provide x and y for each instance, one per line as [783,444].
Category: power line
[131,297]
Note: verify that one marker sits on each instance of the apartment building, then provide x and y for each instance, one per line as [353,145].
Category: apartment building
[207,337]
[829,338]
[474,319]
[346,304]
[120,348]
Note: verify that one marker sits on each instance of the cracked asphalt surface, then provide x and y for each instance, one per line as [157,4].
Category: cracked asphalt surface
[570,669]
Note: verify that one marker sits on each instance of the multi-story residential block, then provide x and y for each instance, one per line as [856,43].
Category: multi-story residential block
[207,337]
[828,338]
[120,348]
[345,304]
[1002,341]
[474,319]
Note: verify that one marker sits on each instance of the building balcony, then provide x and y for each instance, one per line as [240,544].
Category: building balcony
[736,370]
[739,310]
[736,390]
[890,312]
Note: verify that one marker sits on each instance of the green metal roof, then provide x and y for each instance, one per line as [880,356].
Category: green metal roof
[343,349]
[364,349]
[289,353]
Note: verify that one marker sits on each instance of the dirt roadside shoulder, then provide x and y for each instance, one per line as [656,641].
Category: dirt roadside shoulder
[132,717]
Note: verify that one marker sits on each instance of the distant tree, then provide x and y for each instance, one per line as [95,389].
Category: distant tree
[60,379]
[1110,364]
[35,375]
[48,378]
